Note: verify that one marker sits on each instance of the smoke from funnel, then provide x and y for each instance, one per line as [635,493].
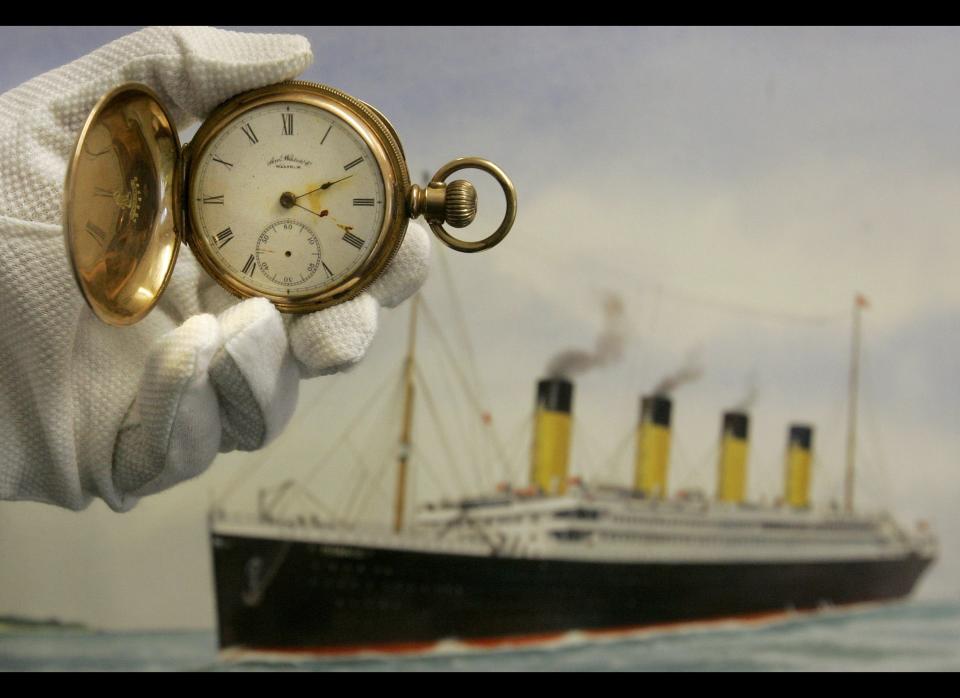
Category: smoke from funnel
[689,372]
[608,347]
[746,402]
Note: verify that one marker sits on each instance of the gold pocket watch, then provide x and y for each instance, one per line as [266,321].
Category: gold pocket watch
[295,192]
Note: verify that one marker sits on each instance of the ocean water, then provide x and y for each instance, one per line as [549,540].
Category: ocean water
[915,636]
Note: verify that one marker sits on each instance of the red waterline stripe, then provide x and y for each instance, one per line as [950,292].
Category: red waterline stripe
[540,638]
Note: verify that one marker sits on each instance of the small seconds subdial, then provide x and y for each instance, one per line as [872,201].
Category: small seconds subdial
[288,253]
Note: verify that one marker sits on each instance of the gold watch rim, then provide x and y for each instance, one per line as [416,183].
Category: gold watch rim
[375,131]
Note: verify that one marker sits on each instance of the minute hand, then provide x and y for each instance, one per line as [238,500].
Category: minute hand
[325,185]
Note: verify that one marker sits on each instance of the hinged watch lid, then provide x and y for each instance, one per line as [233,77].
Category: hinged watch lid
[121,205]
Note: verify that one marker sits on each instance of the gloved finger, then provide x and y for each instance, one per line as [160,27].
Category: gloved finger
[181,297]
[254,374]
[333,339]
[407,271]
[336,338]
[192,69]
[192,291]
[212,297]
[172,432]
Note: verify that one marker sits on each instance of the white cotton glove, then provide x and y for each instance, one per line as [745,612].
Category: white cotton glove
[88,409]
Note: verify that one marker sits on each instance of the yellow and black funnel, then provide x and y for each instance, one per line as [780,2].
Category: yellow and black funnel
[653,446]
[732,466]
[797,466]
[551,435]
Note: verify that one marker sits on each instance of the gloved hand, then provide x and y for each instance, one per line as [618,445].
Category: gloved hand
[88,409]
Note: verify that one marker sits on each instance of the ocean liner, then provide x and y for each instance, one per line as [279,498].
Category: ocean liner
[531,564]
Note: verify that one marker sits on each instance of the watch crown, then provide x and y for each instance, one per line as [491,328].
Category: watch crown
[460,205]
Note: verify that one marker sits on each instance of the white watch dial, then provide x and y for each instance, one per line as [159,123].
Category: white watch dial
[288,199]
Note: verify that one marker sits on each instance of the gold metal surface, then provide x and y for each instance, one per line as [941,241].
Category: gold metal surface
[379,137]
[120,217]
[455,203]
[460,206]
[425,202]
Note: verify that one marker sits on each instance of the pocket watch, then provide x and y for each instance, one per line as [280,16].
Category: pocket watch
[296,192]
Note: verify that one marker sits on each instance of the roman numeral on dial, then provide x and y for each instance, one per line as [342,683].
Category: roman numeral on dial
[354,163]
[250,266]
[218,199]
[223,237]
[363,202]
[226,164]
[287,124]
[248,132]
[352,239]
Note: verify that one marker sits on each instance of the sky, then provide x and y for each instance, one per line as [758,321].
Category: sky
[734,186]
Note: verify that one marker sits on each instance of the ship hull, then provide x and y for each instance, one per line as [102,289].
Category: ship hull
[290,595]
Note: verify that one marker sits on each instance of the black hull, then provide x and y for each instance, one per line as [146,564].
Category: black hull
[295,595]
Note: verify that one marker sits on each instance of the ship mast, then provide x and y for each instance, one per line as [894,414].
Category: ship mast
[403,455]
[859,303]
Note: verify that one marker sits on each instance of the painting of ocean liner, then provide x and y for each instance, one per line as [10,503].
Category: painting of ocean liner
[526,565]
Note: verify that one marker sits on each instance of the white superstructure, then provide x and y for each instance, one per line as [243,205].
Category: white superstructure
[616,526]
